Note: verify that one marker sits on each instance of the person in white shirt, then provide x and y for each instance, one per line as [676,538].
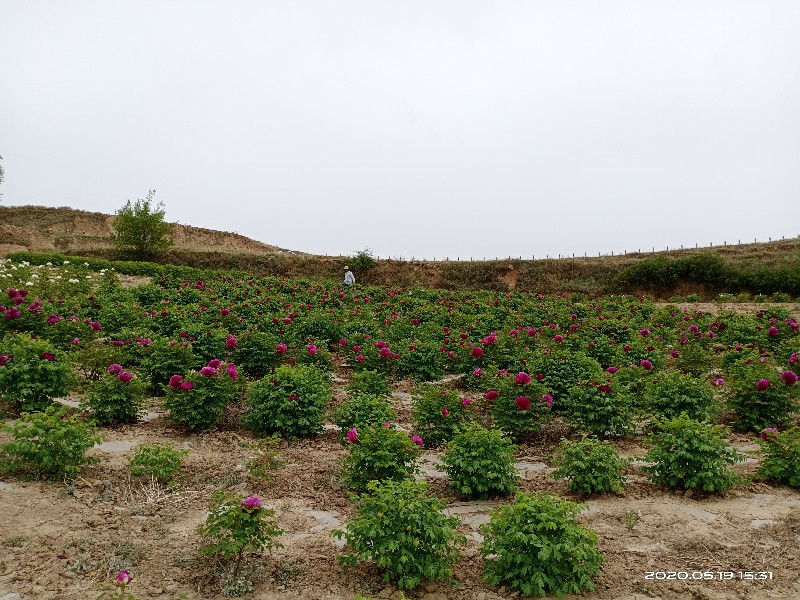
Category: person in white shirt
[349,278]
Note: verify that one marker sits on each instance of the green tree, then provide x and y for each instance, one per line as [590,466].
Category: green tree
[140,228]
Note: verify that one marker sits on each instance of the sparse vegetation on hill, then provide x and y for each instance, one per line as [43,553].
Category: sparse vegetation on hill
[758,268]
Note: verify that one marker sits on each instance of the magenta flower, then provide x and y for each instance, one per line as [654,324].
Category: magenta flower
[477,352]
[789,378]
[719,381]
[644,332]
[293,397]
[466,401]
[311,349]
[360,357]
[352,435]
[251,504]
[605,388]
[231,342]
[491,395]
[12,293]
[125,377]
[49,356]
[123,578]
[115,368]
[674,354]
[232,372]
[417,440]
[548,399]
[175,381]
[94,325]
[343,342]
[646,364]
[208,372]
[793,358]
[445,412]
[356,348]
[762,385]
[281,348]
[558,338]
[612,369]
[74,341]
[4,359]
[477,373]
[773,331]
[215,363]
[522,378]
[768,433]
[53,319]
[523,402]
[225,312]
[385,352]
[12,313]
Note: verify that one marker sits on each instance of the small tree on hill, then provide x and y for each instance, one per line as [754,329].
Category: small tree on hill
[140,228]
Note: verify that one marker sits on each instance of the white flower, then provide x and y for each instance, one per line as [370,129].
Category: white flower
[74,280]
[66,262]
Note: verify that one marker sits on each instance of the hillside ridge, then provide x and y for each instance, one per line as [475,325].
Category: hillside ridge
[45,229]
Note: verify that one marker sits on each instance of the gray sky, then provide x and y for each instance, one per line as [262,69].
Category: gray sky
[416,128]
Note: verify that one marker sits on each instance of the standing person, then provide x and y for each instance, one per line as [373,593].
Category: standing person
[349,278]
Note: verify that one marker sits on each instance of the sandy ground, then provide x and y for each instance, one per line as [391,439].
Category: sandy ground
[66,541]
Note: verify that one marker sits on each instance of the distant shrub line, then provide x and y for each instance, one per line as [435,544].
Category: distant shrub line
[657,274]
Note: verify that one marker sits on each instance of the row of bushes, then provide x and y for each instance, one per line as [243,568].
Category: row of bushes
[660,274]
[657,274]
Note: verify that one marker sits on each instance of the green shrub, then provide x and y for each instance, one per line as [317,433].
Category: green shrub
[370,383]
[480,463]
[165,358]
[291,402]
[536,546]
[255,353]
[426,362]
[49,445]
[236,528]
[604,410]
[32,373]
[379,453]
[781,464]
[689,454]
[675,393]
[403,530]
[160,461]
[591,466]
[438,413]
[363,411]
[117,397]
[761,399]
[517,405]
[198,400]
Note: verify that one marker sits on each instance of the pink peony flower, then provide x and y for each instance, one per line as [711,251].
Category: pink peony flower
[768,433]
[605,388]
[477,373]
[773,331]
[417,440]
[644,332]
[466,401]
[762,385]
[719,381]
[232,372]
[251,504]
[53,319]
[123,578]
[49,356]
[646,364]
[281,348]
[522,378]
[385,352]
[491,395]
[789,378]
[477,352]
[208,372]
[360,357]
[523,402]
[352,435]
[115,368]
[125,377]
[674,354]
[558,339]
[231,342]
[175,381]
[225,312]
[445,412]
[186,385]
[311,349]
[548,399]
[215,363]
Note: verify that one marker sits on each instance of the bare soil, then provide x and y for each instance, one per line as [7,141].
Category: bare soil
[66,541]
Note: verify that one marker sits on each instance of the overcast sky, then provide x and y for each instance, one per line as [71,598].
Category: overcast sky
[415,127]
